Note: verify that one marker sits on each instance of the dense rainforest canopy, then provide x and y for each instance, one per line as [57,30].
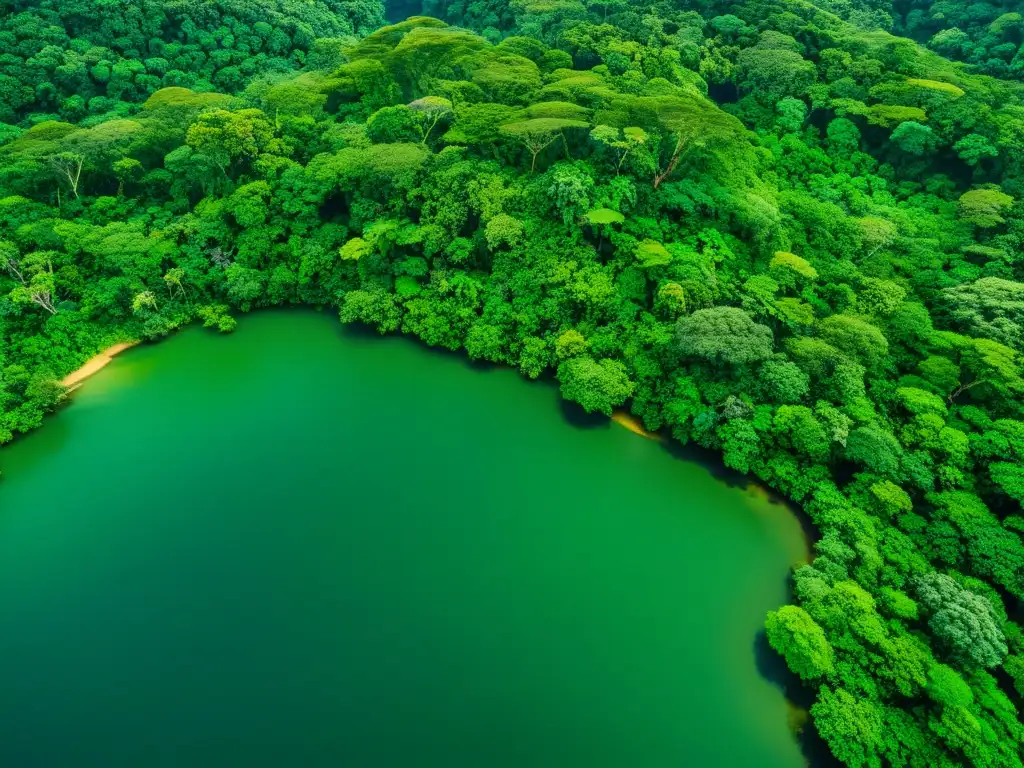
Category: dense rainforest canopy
[773,228]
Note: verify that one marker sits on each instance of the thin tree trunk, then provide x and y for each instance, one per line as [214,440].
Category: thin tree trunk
[45,302]
[963,388]
[74,178]
[672,163]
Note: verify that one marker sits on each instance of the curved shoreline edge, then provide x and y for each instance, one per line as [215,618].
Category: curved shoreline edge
[633,424]
[95,364]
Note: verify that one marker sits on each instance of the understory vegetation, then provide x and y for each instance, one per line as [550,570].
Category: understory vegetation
[771,228]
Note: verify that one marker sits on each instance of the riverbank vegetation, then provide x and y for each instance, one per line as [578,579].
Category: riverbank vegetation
[771,228]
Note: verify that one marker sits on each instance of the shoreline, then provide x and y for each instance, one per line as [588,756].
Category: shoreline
[95,364]
[630,422]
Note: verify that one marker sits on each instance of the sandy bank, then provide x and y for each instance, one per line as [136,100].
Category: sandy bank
[633,424]
[95,364]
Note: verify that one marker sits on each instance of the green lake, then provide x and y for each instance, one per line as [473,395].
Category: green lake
[301,545]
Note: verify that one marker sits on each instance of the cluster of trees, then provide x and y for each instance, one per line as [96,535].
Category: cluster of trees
[759,226]
[76,59]
[985,35]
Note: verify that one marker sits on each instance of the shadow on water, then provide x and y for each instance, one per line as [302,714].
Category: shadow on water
[363,333]
[358,331]
[58,432]
[772,667]
[711,462]
[799,699]
[574,414]
[708,460]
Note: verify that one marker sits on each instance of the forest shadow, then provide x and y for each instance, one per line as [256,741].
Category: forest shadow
[576,416]
[359,331]
[772,667]
[362,332]
[708,460]
[799,699]
[723,93]
[711,461]
[58,432]
[400,10]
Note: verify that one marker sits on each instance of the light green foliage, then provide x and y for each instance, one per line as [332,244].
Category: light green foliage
[651,254]
[772,72]
[1010,478]
[947,687]
[797,425]
[794,634]
[876,449]
[216,316]
[355,249]
[984,207]
[784,381]
[940,372]
[603,216]
[570,344]
[882,298]
[538,134]
[791,114]
[670,300]
[248,203]
[855,336]
[429,111]
[723,334]
[991,307]
[478,124]
[143,302]
[390,125]
[227,137]
[897,603]
[920,402]
[876,233]
[890,499]
[503,230]
[789,270]
[624,143]
[851,725]
[914,138]
[596,385]
[571,190]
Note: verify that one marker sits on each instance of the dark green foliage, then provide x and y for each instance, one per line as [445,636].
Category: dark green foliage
[78,58]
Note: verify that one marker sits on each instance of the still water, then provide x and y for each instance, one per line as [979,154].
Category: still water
[304,546]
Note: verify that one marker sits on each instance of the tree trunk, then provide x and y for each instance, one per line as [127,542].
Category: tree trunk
[44,301]
[672,163]
[961,389]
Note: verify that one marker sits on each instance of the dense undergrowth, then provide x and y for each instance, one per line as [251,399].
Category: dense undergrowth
[817,275]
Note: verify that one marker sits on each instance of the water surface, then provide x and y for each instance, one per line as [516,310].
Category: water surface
[303,546]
